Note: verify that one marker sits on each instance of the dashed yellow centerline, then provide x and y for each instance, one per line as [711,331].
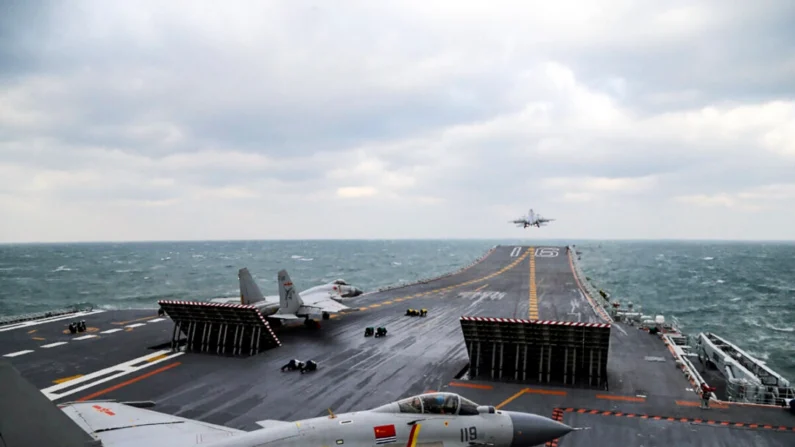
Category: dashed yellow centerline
[481,288]
[157,357]
[66,379]
[533,293]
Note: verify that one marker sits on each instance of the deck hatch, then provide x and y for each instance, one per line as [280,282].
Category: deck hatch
[537,351]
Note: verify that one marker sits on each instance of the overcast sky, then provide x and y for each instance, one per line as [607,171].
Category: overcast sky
[396,119]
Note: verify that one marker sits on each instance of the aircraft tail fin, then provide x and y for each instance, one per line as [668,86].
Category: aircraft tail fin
[29,418]
[249,291]
[289,299]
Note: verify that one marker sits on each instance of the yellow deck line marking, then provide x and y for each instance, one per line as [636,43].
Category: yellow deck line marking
[442,289]
[158,357]
[39,338]
[533,311]
[510,399]
[481,288]
[32,331]
[132,321]
[66,379]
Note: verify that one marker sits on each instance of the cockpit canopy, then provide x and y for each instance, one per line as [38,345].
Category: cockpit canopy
[438,403]
[340,282]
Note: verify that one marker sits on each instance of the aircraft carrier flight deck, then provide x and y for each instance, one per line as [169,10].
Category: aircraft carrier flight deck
[518,330]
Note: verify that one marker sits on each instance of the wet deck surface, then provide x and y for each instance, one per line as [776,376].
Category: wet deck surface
[418,354]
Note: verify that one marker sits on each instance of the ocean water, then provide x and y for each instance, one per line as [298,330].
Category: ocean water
[743,291]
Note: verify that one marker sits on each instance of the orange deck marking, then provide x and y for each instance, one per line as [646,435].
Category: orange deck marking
[66,379]
[472,385]
[129,382]
[547,392]
[624,398]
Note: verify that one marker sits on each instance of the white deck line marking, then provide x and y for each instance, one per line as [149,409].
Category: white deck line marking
[85,337]
[14,354]
[110,331]
[52,345]
[136,325]
[47,320]
[157,320]
[121,369]
[515,252]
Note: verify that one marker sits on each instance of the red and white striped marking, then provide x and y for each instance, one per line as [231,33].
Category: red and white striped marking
[227,305]
[542,322]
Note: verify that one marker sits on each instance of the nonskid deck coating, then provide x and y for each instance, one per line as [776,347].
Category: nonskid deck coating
[419,354]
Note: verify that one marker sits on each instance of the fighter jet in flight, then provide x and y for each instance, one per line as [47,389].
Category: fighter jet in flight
[289,304]
[28,418]
[531,220]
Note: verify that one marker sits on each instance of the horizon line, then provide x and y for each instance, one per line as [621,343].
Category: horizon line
[150,241]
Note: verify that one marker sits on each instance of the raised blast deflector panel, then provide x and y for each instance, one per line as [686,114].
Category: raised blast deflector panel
[219,328]
[537,351]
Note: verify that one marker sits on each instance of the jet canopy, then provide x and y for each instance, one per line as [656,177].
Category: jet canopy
[340,282]
[438,403]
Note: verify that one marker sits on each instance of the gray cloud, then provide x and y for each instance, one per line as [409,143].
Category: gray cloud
[278,113]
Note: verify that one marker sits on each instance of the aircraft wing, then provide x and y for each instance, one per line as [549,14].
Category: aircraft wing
[29,418]
[117,425]
[323,302]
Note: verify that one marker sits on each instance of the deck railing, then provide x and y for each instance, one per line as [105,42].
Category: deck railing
[741,390]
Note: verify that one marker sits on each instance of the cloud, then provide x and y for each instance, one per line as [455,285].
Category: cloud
[352,192]
[763,198]
[464,114]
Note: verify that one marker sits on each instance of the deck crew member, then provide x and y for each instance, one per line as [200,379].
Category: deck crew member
[706,390]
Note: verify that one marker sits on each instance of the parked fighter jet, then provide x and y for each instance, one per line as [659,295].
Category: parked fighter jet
[289,305]
[28,418]
[531,220]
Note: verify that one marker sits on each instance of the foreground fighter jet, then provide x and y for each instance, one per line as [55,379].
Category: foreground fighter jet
[290,305]
[532,220]
[28,418]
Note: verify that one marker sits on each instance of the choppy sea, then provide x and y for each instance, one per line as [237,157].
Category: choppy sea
[744,291]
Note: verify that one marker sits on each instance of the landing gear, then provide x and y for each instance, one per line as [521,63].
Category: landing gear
[326,315]
[312,324]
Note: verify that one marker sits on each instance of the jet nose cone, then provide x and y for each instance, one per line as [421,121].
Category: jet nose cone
[530,429]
